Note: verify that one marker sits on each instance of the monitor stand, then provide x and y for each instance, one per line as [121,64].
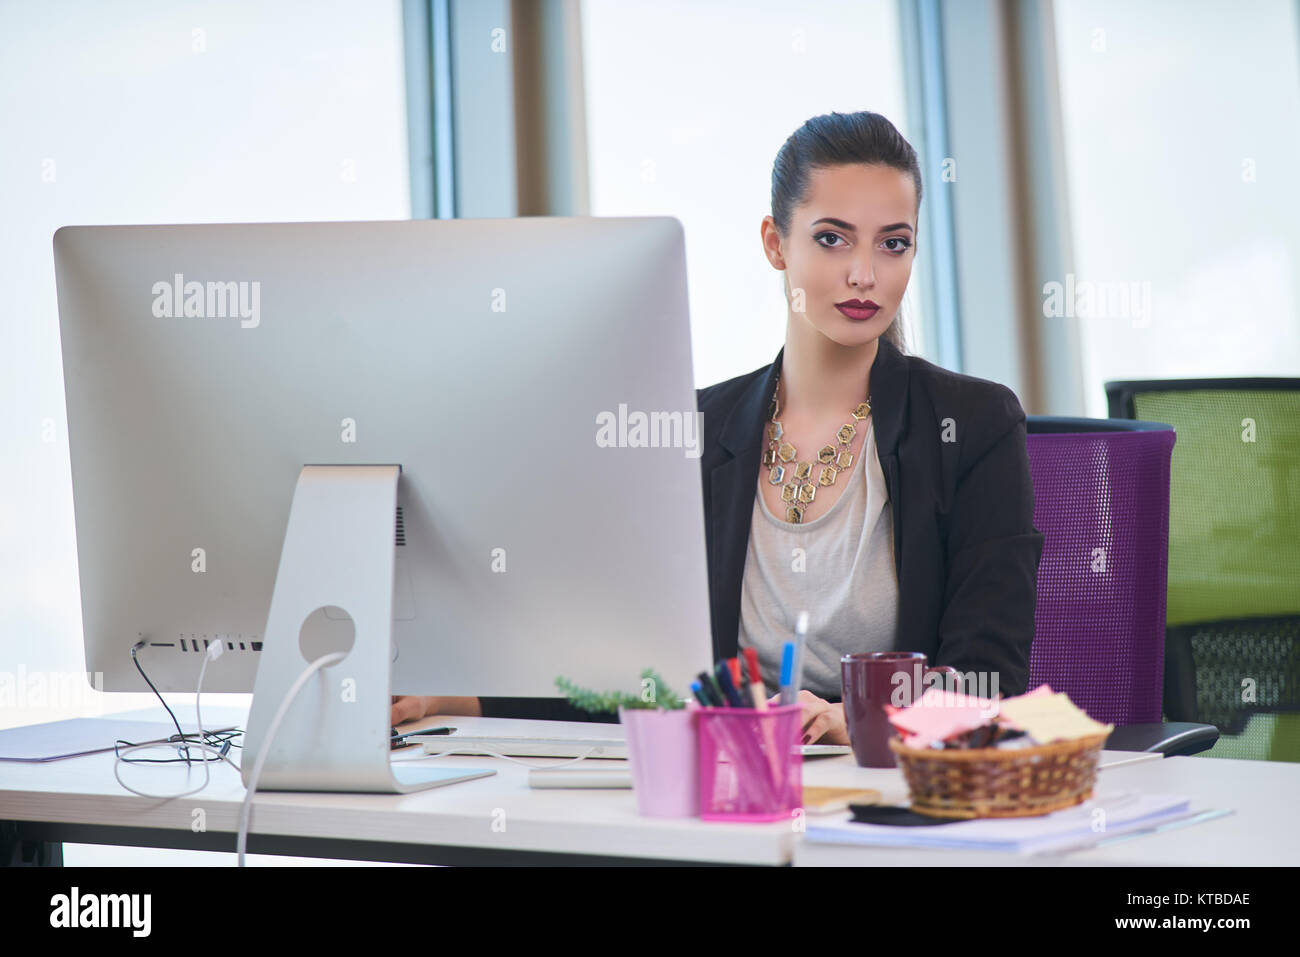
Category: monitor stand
[334,593]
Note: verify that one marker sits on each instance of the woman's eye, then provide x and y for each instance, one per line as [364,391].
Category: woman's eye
[898,239]
[819,236]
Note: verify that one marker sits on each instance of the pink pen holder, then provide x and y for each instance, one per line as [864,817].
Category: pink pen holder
[751,763]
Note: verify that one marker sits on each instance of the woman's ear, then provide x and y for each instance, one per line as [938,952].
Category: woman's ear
[771,242]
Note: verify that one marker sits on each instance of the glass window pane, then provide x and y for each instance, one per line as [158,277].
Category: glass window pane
[158,112]
[1182,132]
[687,106]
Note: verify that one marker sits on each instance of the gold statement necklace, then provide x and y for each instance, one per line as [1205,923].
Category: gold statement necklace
[831,459]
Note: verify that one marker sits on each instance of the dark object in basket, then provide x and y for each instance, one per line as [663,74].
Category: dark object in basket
[987,736]
[895,816]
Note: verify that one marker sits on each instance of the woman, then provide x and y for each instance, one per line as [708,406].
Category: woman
[888,497]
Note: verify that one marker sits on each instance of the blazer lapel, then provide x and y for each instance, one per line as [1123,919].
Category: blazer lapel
[889,385]
[733,485]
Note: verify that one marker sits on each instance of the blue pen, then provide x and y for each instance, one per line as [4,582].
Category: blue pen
[699,694]
[787,674]
[800,647]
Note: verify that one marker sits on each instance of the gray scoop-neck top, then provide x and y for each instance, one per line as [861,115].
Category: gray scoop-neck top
[838,566]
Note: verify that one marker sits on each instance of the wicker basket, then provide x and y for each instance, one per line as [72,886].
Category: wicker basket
[993,782]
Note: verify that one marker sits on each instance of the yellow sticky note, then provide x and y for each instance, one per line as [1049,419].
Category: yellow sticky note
[1050,717]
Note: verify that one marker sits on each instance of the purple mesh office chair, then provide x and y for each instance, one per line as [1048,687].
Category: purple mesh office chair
[1101,500]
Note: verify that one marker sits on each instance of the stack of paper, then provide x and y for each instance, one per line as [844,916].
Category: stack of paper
[1103,816]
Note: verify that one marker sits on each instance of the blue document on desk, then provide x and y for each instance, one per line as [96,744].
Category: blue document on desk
[1104,816]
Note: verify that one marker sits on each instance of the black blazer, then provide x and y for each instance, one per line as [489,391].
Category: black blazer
[952,449]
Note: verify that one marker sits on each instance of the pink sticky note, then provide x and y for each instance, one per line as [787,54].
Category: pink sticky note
[939,714]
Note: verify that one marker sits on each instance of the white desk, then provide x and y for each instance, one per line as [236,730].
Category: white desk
[500,820]
[1263,831]
[493,820]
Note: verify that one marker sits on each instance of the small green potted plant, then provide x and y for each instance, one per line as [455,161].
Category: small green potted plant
[662,746]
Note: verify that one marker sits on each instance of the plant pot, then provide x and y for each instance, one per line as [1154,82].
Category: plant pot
[663,751]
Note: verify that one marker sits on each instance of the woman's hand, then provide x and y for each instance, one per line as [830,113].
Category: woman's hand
[415,707]
[823,722]
[412,708]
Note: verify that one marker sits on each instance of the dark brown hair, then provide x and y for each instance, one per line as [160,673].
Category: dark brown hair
[839,139]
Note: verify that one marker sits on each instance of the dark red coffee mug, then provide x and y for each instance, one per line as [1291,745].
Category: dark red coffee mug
[872,680]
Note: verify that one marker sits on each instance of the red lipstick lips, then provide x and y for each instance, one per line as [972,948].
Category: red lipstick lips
[858,309]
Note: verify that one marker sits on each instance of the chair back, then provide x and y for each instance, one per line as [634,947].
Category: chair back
[1101,500]
[1233,607]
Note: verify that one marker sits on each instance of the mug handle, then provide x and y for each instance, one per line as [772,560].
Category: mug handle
[948,670]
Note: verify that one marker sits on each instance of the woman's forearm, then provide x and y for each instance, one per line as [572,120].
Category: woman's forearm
[441,704]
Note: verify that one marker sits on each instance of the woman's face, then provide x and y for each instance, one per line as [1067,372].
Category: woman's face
[854,238]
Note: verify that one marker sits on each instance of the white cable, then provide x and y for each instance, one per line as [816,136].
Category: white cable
[213,653]
[265,749]
[198,745]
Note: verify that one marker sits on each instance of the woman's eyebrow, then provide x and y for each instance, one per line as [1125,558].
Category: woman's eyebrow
[851,228]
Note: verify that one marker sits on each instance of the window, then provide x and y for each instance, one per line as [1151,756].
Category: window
[1182,132]
[155,112]
[687,105]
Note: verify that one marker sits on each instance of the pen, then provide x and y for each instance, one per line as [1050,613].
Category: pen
[699,694]
[756,690]
[800,649]
[736,740]
[399,740]
[736,678]
[1167,826]
[711,690]
[758,694]
[787,673]
[732,696]
[1093,843]
[800,644]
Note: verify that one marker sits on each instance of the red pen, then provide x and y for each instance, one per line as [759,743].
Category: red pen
[737,678]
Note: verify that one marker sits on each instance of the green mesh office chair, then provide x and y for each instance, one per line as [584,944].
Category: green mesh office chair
[1232,639]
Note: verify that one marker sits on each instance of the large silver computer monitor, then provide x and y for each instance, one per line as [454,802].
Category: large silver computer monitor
[529,379]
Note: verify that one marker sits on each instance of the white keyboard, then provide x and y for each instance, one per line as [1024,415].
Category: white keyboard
[517,746]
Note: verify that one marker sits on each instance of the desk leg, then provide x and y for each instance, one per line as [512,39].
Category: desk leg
[15,852]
